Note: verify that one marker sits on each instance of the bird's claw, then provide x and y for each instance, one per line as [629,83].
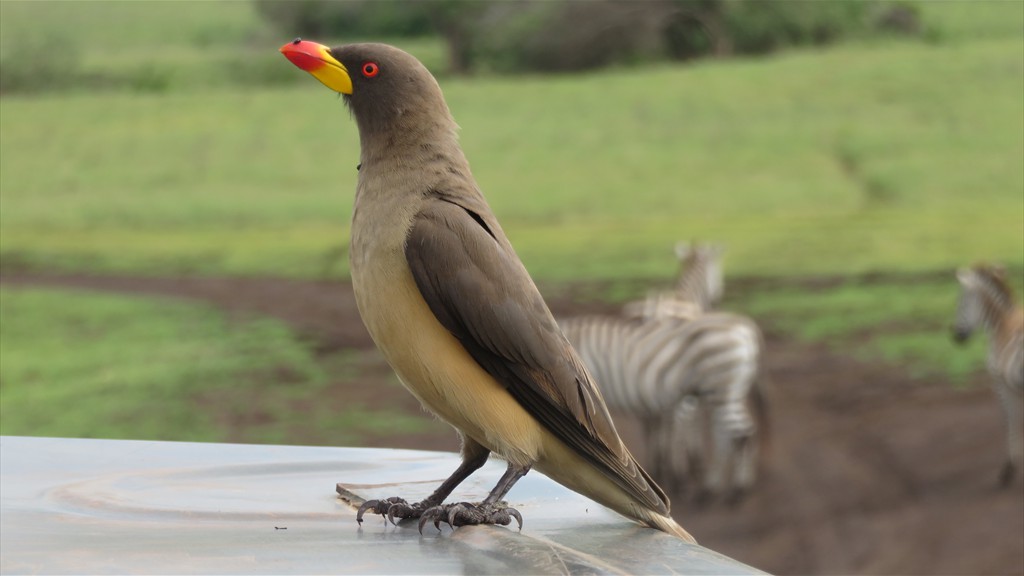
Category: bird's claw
[402,510]
[468,514]
[388,508]
[435,514]
[455,515]
[515,514]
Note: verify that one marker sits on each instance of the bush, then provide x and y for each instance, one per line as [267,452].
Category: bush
[696,29]
[348,18]
[565,35]
[759,27]
[39,64]
[570,36]
[724,27]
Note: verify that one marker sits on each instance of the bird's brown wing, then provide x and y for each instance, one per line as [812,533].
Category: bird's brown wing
[479,290]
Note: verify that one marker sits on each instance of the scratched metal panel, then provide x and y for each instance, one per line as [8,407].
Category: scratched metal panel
[132,507]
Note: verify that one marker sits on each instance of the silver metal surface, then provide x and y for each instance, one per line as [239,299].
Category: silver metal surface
[117,506]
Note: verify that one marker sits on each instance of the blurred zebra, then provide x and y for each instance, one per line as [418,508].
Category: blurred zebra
[665,372]
[986,300]
[700,274]
[699,287]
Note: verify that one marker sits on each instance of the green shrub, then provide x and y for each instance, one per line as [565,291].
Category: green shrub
[39,64]
[570,36]
[760,27]
[723,27]
[347,18]
[567,36]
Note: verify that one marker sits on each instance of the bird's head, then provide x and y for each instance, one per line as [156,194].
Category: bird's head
[382,85]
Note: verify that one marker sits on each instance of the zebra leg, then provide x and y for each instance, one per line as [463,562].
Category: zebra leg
[698,450]
[733,429]
[680,435]
[665,455]
[747,448]
[1012,409]
[743,467]
[734,492]
[1007,473]
[748,462]
[692,431]
[655,449]
[722,451]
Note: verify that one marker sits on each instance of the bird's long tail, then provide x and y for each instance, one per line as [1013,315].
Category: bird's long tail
[667,524]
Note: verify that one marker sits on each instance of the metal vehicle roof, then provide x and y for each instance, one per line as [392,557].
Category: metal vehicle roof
[90,506]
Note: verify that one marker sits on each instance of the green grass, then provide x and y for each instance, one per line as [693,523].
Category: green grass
[879,157]
[955,21]
[177,141]
[157,46]
[108,366]
[121,28]
[902,322]
[171,45]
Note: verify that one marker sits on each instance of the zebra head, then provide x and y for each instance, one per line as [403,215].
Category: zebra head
[700,272]
[969,310]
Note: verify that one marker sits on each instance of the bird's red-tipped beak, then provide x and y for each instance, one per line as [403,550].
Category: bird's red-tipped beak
[317,60]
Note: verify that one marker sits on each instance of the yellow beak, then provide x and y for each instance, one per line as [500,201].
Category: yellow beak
[317,60]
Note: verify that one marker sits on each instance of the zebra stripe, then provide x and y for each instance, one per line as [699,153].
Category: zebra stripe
[649,368]
[987,301]
[664,304]
[700,274]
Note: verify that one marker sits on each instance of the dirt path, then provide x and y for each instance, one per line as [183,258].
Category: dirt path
[867,471]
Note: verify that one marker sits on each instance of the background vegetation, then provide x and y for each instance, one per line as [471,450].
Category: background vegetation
[563,35]
[132,146]
[100,365]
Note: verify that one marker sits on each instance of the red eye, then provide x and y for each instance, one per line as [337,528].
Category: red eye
[370,69]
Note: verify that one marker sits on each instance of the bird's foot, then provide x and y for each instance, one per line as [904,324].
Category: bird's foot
[468,514]
[391,508]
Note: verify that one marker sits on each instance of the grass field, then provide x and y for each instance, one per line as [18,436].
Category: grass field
[106,366]
[858,159]
[907,323]
[155,46]
[196,149]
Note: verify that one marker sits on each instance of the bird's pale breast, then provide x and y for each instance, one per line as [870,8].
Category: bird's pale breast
[428,360]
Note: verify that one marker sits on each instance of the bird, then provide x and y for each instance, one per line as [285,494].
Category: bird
[454,311]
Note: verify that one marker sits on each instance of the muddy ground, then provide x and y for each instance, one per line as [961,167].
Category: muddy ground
[867,471]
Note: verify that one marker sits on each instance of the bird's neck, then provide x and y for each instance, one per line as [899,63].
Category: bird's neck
[410,136]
